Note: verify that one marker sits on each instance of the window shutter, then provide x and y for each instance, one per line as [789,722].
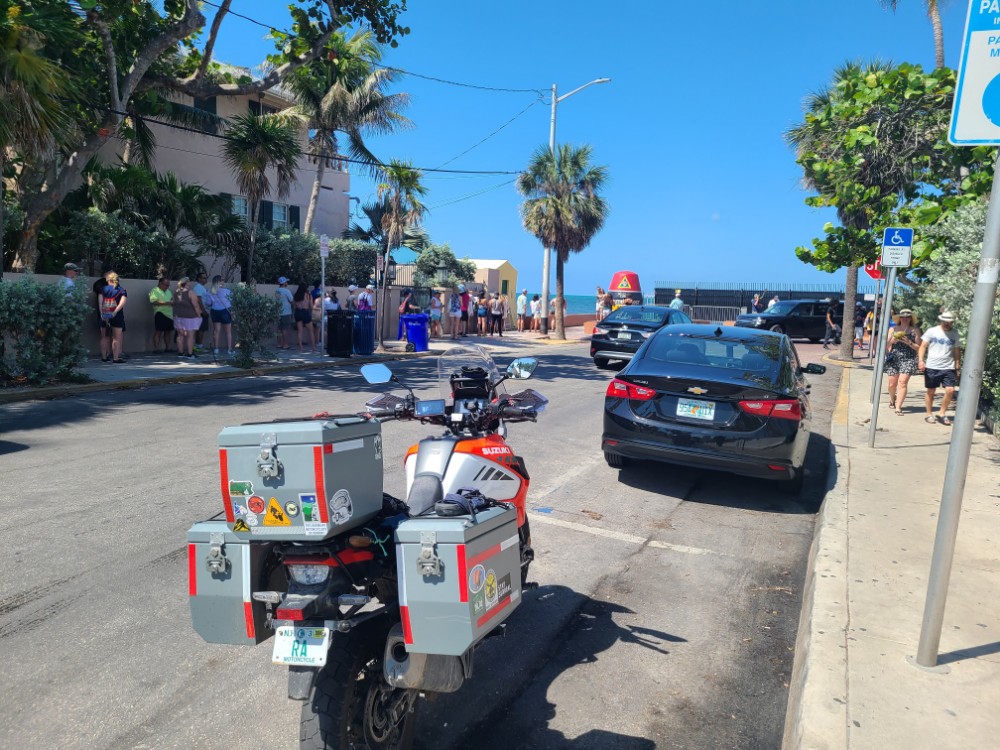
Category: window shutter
[254,107]
[293,217]
[266,218]
[206,105]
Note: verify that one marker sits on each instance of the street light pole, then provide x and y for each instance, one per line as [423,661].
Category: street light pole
[547,252]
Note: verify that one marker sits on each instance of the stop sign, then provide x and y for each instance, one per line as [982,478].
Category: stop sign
[874,269]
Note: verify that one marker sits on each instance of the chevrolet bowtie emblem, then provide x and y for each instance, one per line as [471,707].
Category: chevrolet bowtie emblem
[697,391]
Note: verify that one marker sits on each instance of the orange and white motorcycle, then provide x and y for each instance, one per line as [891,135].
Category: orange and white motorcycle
[471,457]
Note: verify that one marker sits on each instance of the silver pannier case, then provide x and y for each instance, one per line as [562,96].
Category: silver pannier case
[223,573]
[458,579]
[301,480]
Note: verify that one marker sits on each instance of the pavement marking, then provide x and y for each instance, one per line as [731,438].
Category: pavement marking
[843,398]
[622,537]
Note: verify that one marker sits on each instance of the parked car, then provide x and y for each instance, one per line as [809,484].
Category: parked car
[798,319]
[715,397]
[620,335]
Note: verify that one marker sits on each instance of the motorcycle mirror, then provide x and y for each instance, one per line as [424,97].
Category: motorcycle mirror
[522,368]
[376,373]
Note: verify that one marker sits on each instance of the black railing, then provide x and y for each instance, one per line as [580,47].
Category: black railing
[740,294]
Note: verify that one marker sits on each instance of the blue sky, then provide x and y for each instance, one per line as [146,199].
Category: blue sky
[702,187]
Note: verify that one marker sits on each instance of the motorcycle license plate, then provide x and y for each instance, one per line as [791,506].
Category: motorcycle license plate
[302,645]
[692,409]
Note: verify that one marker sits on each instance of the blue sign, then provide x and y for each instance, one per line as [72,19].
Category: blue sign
[975,115]
[900,237]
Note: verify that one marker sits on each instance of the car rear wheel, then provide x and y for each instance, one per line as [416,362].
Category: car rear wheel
[777,329]
[794,486]
[615,461]
[601,362]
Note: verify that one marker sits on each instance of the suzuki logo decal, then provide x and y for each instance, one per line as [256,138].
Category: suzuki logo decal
[698,391]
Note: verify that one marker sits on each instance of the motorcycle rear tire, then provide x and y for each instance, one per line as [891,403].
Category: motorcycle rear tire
[342,712]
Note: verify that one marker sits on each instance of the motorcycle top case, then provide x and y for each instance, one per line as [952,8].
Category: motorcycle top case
[223,573]
[458,579]
[301,480]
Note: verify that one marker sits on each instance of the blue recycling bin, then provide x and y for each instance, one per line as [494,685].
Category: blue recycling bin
[364,332]
[416,331]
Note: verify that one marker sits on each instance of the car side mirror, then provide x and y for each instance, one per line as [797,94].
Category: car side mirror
[813,369]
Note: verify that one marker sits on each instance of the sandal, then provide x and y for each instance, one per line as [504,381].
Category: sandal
[899,412]
[946,421]
[930,420]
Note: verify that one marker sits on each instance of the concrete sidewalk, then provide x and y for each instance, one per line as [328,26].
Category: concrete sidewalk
[852,685]
[142,370]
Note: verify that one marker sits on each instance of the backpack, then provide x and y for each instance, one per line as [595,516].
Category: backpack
[364,302]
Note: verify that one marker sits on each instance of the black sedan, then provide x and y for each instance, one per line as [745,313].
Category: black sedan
[620,335]
[717,397]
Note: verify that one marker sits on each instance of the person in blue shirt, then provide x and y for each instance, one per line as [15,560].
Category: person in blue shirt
[285,297]
[677,303]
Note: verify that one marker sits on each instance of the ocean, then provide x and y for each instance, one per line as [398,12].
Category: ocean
[577,304]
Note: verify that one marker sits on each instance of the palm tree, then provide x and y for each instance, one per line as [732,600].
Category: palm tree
[562,207]
[256,145]
[934,13]
[33,119]
[400,192]
[345,95]
[414,237]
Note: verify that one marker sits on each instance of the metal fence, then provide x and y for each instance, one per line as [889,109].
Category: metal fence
[740,294]
[713,313]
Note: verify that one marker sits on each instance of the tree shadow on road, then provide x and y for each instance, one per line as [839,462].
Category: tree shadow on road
[538,660]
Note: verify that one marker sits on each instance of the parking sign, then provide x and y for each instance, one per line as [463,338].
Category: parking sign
[975,115]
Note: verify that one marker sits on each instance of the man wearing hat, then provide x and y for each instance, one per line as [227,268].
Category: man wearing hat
[677,303]
[69,277]
[352,296]
[285,298]
[522,309]
[938,359]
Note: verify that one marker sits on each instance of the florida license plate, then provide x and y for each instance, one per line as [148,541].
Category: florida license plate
[301,645]
[625,336]
[692,409]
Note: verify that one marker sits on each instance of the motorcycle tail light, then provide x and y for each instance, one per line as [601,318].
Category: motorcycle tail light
[309,575]
[622,389]
[790,409]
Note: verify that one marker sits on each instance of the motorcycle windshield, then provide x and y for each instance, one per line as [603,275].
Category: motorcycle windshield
[465,359]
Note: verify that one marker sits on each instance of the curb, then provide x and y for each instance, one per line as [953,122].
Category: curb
[846,364]
[61,391]
[816,717]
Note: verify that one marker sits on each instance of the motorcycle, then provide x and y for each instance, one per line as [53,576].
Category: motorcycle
[394,603]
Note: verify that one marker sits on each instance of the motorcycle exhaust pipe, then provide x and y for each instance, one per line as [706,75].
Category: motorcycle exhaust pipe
[434,673]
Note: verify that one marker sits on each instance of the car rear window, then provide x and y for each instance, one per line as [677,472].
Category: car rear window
[758,357]
[637,315]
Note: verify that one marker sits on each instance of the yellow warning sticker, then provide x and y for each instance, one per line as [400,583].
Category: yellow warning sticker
[240,525]
[623,284]
[275,516]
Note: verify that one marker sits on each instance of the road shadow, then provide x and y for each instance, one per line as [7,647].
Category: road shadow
[719,488]
[8,447]
[975,652]
[524,666]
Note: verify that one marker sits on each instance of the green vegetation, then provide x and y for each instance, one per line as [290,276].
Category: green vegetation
[255,318]
[563,207]
[433,258]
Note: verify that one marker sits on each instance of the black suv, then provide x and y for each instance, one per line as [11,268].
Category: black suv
[799,318]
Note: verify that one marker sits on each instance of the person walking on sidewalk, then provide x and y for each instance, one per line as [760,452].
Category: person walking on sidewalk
[938,359]
[901,358]
[832,329]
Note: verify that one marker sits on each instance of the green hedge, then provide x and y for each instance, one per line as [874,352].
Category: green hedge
[44,323]
[255,318]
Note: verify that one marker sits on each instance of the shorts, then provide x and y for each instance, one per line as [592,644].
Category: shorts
[162,323]
[938,378]
[859,332]
[435,315]
[465,315]
[285,323]
[455,315]
[222,316]
[204,322]
[118,321]
[187,324]
[303,316]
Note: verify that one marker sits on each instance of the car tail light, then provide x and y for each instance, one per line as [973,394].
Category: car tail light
[789,409]
[622,389]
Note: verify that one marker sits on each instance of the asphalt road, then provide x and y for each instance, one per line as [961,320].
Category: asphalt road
[665,615]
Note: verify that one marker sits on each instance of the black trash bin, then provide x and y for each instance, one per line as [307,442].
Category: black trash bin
[340,333]
[364,332]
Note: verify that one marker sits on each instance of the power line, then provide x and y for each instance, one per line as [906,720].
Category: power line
[344,159]
[480,87]
[471,195]
[480,143]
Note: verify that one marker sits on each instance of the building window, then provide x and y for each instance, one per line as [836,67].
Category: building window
[279,215]
[241,207]
[257,108]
